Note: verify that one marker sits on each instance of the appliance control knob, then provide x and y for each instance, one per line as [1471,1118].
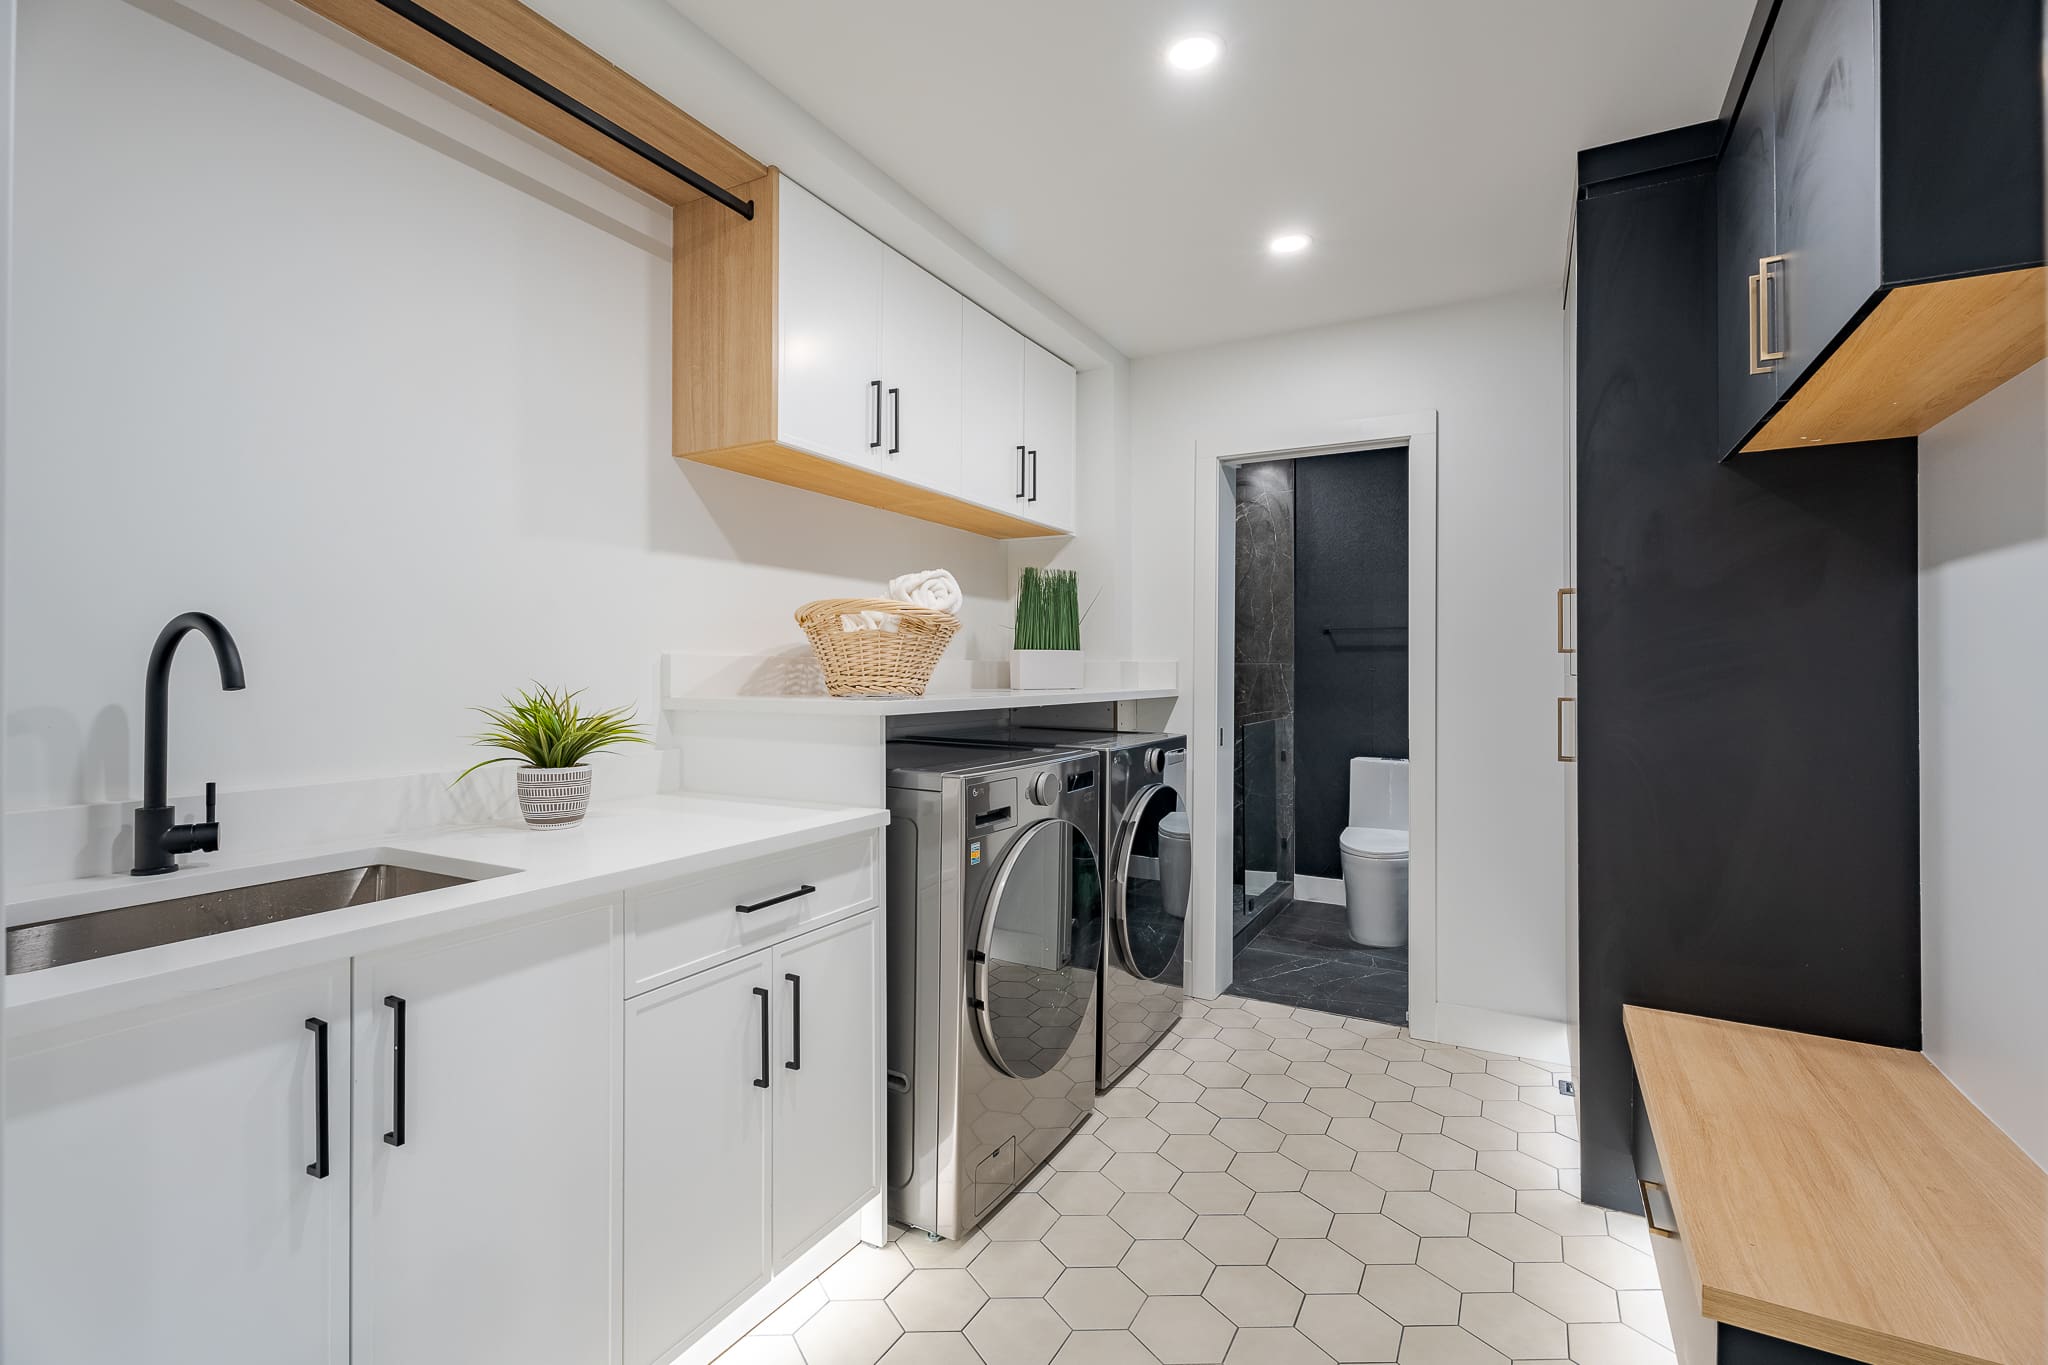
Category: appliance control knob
[1045,788]
[1155,761]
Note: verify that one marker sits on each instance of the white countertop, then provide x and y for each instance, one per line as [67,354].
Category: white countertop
[978,699]
[619,844]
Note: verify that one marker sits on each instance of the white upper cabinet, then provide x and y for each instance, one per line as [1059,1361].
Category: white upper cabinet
[486,1136]
[165,1199]
[992,462]
[920,377]
[828,333]
[1049,402]
[808,353]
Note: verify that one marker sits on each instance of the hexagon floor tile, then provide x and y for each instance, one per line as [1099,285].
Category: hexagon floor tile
[1440,1195]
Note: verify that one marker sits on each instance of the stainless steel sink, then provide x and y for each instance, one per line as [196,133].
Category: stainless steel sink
[103,933]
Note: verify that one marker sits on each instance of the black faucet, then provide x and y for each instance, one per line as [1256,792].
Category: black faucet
[158,839]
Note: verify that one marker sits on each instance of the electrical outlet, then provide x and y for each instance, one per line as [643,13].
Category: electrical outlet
[1565,1087]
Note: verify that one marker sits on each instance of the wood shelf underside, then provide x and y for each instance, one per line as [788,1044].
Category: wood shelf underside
[516,32]
[801,469]
[1925,352]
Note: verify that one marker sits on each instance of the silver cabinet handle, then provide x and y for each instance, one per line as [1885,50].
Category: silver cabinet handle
[1562,756]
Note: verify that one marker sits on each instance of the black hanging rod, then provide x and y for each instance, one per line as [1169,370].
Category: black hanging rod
[568,104]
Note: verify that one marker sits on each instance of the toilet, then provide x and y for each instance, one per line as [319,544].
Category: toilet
[1374,851]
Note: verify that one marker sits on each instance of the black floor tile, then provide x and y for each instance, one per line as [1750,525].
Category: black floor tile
[1305,958]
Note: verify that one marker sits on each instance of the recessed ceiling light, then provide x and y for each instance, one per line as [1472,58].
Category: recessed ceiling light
[1289,244]
[1194,52]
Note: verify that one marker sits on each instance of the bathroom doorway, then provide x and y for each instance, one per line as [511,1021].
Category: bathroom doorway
[1261,795]
[1320,673]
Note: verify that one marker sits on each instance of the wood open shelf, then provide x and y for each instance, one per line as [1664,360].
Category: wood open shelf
[519,33]
[1844,1196]
[1925,352]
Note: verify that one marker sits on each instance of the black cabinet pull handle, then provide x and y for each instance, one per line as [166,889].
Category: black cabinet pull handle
[396,1137]
[796,1021]
[1034,478]
[895,421]
[761,1081]
[318,1170]
[1020,471]
[876,385]
[775,900]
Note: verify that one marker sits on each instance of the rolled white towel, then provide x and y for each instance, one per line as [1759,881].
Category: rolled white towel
[869,620]
[934,588]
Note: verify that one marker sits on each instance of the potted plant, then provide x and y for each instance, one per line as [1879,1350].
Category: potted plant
[1046,654]
[551,736]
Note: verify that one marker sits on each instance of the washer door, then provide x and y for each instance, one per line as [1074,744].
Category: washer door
[1039,949]
[1148,929]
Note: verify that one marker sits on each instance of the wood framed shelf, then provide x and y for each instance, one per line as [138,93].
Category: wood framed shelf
[1924,353]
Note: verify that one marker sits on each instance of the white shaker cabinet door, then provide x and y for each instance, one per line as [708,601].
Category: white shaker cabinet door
[164,1198]
[992,460]
[829,397]
[1049,411]
[486,1140]
[827,1080]
[920,377]
[697,1052]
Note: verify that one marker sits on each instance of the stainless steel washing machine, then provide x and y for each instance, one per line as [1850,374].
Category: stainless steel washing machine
[1144,836]
[996,915]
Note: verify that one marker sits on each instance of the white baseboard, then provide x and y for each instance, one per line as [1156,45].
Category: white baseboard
[1516,1035]
[1321,890]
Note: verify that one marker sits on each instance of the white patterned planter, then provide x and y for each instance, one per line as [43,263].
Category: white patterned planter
[554,798]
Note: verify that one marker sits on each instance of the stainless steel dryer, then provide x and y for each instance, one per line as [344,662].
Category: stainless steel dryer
[1144,836]
[995,911]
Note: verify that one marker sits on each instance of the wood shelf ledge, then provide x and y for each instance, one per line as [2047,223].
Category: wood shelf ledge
[1844,1196]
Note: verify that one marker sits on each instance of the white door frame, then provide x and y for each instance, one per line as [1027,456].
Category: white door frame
[1209,763]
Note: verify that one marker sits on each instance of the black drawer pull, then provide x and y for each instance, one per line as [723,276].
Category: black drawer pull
[776,900]
[876,444]
[396,1137]
[1020,471]
[895,421]
[318,1170]
[761,1081]
[796,1021]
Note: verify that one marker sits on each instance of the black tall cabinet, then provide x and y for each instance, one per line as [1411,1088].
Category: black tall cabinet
[1748,730]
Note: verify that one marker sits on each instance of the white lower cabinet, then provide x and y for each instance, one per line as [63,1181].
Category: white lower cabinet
[486,1143]
[753,1094]
[164,1197]
[827,1087]
[696,1153]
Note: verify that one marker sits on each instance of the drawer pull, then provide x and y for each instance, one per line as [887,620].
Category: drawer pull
[396,1136]
[1643,1188]
[776,900]
[761,994]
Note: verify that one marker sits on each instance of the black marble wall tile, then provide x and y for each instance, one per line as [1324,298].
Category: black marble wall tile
[1263,817]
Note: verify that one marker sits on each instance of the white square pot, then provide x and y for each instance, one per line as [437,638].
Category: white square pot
[1046,670]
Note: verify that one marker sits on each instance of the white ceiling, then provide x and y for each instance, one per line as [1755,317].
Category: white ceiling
[1428,145]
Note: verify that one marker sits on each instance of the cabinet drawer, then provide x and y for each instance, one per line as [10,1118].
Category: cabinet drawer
[685,926]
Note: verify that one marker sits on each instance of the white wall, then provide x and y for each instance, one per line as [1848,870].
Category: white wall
[1984,753]
[382,381]
[1493,370]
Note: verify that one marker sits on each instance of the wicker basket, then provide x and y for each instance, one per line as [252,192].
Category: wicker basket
[876,663]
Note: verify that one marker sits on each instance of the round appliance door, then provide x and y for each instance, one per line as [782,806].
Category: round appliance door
[1039,949]
[1150,907]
